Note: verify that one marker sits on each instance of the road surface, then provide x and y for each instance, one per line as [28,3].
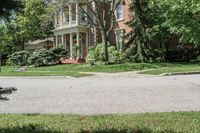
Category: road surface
[102,94]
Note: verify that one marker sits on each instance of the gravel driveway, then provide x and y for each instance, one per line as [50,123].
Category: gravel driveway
[102,94]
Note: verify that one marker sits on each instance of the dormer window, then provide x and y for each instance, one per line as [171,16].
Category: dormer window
[120,12]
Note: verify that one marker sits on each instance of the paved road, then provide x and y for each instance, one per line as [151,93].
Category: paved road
[102,95]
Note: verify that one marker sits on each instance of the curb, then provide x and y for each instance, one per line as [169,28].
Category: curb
[183,73]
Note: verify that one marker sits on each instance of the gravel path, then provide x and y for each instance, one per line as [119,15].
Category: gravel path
[102,94]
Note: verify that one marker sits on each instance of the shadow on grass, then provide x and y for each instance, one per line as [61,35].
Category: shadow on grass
[40,129]
[31,128]
[131,130]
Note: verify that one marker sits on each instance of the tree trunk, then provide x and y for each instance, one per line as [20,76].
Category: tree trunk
[105,45]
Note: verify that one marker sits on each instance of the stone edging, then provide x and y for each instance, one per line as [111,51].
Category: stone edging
[179,73]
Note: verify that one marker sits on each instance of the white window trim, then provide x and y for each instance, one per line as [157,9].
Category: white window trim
[118,45]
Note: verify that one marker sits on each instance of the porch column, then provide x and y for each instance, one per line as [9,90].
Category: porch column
[62,39]
[71,45]
[78,44]
[65,42]
[70,14]
[55,21]
[56,40]
[77,13]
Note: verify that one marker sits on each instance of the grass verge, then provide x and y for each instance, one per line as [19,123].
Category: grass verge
[174,68]
[74,69]
[182,122]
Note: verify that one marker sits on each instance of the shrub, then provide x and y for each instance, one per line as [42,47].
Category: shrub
[115,56]
[18,58]
[96,55]
[127,55]
[183,53]
[76,50]
[42,57]
[159,55]
[45,57]
[59,53]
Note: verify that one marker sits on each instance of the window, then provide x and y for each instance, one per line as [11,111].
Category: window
[119,13]
[73,12]
[66,14]
[58,18]
[119,38]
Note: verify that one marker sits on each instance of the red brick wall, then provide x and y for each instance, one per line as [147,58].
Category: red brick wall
[122,24]
[118,25]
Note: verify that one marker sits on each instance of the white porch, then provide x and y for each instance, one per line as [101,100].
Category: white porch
[67,38]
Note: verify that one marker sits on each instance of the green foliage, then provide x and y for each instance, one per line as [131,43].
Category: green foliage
[176,17]
[18,58]
[76,51]
[183,53]
[138,36]
[33,21]
[96,55]
[115,56]
[182,18]
[59,53]
[45,57]
[42,57]
[179,122]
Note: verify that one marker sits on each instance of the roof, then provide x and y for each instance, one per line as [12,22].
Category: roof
[40,41]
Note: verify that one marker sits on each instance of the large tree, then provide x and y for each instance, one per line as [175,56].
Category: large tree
[32,22]
[104,14]
[139,23]
[182,17]
[8,6]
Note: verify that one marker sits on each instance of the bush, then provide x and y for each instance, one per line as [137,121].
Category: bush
[115,56]
[59,53]
[18,58]
[45,57]
[127,55]
[183,53]
[159,55]
[42,57]
[96,55]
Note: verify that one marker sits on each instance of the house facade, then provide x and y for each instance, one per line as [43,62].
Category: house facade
[73,30]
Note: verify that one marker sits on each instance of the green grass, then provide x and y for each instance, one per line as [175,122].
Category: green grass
[174,68]
[184,122]
[74,69]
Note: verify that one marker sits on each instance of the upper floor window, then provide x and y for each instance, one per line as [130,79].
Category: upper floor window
[119,11]
[58,18]
[73,12]
[66,14]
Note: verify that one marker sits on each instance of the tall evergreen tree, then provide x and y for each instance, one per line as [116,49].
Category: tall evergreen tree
[138,37]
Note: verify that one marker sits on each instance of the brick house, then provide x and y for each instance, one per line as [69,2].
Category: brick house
[71,25]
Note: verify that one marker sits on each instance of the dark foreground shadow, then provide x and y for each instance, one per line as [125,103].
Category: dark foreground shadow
[131,130]
[39,129]
[28,129]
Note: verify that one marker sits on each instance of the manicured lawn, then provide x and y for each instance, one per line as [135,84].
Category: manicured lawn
[185,122]
[74,70]
[174,68]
